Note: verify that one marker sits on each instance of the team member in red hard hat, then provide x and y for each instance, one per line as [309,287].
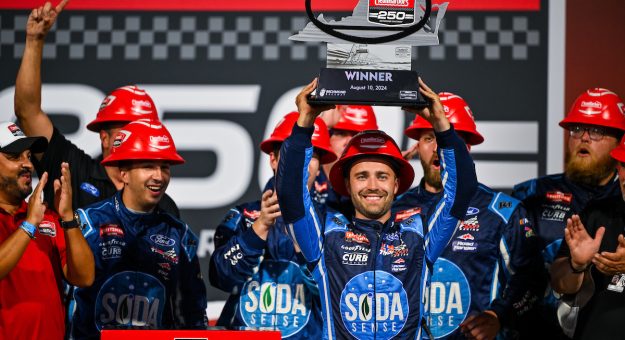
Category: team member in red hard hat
[591,262]
[595,124]
[344,122]
[38,248]
[371,269]
[490,240]
[253,251]
[147,271]
[91,181]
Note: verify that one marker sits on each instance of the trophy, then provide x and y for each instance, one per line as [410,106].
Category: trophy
[369,54]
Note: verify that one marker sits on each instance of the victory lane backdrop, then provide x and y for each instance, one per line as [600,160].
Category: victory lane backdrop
[222,77]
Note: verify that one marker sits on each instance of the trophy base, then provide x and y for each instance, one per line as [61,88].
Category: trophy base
[368,87]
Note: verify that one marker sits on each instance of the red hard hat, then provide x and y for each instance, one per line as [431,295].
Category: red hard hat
[597,106]
[124,105]
[356,118]
[320,138]
[143,140]
[458,113]
[618,152]
[373,143]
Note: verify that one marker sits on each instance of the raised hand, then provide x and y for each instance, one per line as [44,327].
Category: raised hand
[269,211]
[583,247]
[36,207]
[481,326]
[41,19]
[307,112]
[433,112]
[63,194]
[611,263]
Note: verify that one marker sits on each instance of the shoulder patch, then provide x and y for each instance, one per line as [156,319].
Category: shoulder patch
[503,205]
[336,222]
[525,189]
[85,223]
[412,223]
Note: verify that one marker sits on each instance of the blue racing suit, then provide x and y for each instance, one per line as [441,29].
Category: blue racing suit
[371,275]
[147,274]
[270,283]
[324,195]
[487,266]
[550,201]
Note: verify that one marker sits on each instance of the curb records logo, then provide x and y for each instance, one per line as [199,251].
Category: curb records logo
[130,300]
[448,298]
[391,305]
[266,303]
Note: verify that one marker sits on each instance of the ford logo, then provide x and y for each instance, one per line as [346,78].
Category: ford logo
[472,211]
[162,240]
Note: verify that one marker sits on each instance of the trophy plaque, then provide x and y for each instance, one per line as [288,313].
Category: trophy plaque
[369,54]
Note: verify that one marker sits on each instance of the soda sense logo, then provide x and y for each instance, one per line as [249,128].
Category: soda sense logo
[361,294]
[130,300]
[278,296]
[447,299]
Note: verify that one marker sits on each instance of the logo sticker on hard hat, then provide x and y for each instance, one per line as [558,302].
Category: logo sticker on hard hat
[279,296]
[107,101]
[160,142]
[447,299]
[380,290]
[121,137]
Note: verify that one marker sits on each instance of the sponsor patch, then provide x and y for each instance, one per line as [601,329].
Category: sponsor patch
[448,298]
[355,259]
[529,232]
[169,255]
[356,248]
[466,237]
[465,246]
[504,204]
[351,236]
[555,212]
[404,214]
[398,265]
[111,230]
[111,252]
[390,237]
[162,240]
[470,224]
[233,255]
[360,306]
[15,130]
[394,250]
[47,228]
[558,196]
[90,189]
[473,211]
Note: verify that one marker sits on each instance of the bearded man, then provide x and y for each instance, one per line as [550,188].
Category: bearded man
[595,123]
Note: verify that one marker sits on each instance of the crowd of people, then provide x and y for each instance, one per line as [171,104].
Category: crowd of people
[343,243]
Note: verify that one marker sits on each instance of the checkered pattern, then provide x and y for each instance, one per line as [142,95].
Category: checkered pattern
[248,36]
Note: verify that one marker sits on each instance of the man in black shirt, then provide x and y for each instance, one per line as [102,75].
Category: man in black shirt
[91,181]
[594,251]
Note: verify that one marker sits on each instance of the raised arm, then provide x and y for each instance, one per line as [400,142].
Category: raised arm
[298,212]
[30,116]
[79,269]
[457,173]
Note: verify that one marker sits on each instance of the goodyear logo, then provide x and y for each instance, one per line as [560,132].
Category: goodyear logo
[374,304]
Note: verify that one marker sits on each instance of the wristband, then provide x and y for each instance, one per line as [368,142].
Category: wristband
[577,271]
[30,229]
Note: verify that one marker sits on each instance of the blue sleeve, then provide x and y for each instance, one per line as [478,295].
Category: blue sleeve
[298,211]
[520,263]
[459,186]
[190,301]
[237,252]
[524,190]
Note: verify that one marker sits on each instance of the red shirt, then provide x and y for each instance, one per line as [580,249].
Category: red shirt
[30,295]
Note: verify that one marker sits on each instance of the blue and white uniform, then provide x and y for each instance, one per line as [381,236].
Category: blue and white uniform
[372,276]
[488,265]
[147,274]
[270,283]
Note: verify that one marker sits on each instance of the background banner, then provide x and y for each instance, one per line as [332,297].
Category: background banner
[223,73]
